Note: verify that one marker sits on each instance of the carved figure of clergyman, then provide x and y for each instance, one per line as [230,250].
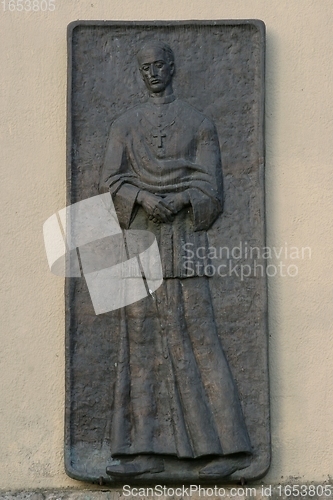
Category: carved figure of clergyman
[174,394]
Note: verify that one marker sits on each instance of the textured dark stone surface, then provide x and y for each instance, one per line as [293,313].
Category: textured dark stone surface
[219,70]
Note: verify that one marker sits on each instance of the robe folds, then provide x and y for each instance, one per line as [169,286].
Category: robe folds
[174,391]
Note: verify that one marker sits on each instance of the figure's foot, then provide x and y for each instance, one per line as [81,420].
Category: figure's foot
[139,465]
[223,467]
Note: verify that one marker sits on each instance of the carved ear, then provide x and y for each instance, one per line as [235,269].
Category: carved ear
[172,67]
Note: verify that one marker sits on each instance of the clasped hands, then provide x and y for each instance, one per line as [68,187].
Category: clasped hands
[162,208]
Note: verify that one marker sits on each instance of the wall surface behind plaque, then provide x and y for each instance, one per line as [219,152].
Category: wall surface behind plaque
[299,186]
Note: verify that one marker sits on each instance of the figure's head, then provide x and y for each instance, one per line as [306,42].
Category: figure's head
[156,62]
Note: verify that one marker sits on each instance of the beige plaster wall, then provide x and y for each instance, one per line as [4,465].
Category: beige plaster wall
[299,184]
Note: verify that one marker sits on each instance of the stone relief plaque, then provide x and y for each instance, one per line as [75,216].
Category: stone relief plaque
[166,363]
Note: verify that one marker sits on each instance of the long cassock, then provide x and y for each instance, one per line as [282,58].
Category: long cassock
[174,392]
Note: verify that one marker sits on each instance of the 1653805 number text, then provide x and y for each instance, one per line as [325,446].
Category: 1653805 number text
[28,5]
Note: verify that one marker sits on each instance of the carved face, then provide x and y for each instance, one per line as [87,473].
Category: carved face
[156,71]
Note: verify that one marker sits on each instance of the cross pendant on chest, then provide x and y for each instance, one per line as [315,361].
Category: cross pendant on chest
[159,135]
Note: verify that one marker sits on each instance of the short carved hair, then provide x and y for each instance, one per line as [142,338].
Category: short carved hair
[169,56]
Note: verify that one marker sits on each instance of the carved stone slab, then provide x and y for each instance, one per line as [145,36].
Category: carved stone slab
[220,73]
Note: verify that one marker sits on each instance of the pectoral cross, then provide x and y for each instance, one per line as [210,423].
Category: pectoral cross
[159,136]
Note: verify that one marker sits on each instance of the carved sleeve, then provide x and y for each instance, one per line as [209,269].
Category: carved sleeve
[207,199]
[114,175]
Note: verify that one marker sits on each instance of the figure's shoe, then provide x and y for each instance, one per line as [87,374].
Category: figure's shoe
[139,465]
[223,467]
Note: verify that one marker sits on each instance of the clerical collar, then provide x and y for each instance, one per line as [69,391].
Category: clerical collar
[162,100]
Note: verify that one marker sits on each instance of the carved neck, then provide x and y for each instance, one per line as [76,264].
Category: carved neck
[162,100]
